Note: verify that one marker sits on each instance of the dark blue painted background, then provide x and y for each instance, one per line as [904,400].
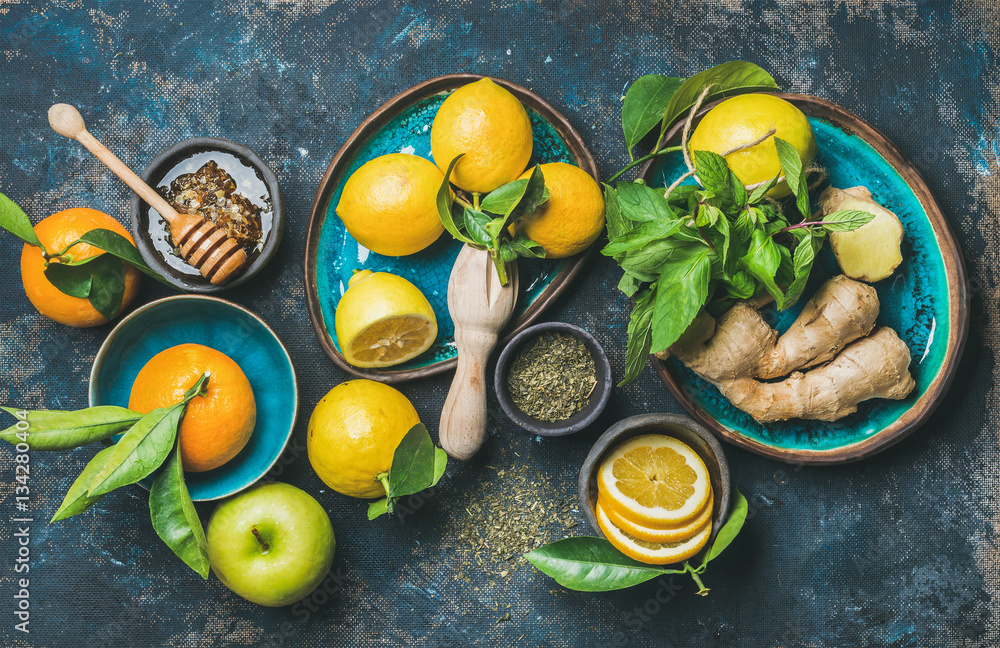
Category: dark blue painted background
[900,550]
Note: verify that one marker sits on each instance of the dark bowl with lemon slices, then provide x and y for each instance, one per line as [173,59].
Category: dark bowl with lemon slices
[682,428]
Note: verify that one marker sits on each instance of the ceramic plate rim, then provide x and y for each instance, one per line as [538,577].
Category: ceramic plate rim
[958,305]
[103,351]
[338,165]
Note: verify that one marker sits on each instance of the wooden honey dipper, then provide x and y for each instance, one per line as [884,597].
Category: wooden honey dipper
[202,243]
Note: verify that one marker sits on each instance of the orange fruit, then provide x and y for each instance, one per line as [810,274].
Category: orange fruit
[215,426]
[573,216]
[654,480]
[55,233]
[652,553]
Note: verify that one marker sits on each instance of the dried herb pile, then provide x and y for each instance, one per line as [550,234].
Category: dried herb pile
[552,377]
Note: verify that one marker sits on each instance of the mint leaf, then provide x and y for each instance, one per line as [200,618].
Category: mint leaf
[846,220]
[762,261]
[640,336]
[791,164]
[681,291]
[640,203]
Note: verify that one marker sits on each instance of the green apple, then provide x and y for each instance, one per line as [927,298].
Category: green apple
[271,544]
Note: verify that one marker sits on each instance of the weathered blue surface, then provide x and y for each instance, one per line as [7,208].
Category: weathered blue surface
[900,550]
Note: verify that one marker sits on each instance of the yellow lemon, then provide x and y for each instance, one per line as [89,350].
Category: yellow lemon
[665,533]
[389,205]
[353,432]
[744,119]
[654,480]
[653,553]
[383,320]
[491,127]
[573,216]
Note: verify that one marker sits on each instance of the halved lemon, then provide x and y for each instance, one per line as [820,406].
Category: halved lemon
[653,553]
[662,534]
[383,320]
[654,480]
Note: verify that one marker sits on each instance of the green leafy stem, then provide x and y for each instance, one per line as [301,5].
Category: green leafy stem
[99,279]
[486,223]
[590,564]
[149,444]
[416,465]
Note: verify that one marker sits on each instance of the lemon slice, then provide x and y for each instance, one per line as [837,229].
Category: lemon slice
[653,553]
[654,480]
[662,534]
[383,320]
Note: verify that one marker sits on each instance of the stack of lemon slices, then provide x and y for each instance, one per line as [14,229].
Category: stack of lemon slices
[654,499]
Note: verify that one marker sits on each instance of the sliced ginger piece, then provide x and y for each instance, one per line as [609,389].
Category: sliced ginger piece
[871,252]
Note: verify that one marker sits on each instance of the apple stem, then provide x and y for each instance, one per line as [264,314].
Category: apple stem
[263,544]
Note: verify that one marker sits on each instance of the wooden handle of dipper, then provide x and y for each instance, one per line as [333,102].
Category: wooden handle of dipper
[202,243]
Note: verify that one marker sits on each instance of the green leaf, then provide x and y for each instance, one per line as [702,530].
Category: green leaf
[791,164]
[589,564]
[802,262]
[640,336]
[64,430]
[107,285]
[77,500]
[726,79]
[614,221]
[174,517]
[758,194]
[525,247]
[681,291]
[762,261]
[145,446]
[713,171]
[412,463]
[475,226]
[72,280]
[846,220]
[444,201]
[14,220]
[440,464]
[378,508]
[640,203]
[709,215]
[644,104]
[119,246]
[730,529]
[504,198]
[629,285]
[740,285]
[642,235]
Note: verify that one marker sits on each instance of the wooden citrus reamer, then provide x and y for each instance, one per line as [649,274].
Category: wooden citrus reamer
[480,307]
[202,243]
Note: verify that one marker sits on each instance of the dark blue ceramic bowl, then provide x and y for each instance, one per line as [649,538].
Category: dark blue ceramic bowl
[228,328]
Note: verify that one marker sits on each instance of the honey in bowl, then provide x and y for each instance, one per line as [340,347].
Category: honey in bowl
[222,188]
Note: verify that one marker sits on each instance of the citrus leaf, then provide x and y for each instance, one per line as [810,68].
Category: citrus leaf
[644,104]
[378,508]
[727,79]
[475,225]
[114,243]
[589,564]
[77,500]
[72,280]
[64,430]
[107,285]
[440,464]
[444,201]
[412,463]
[14,220]
[174,517]
[145,446]
[504,198]
[730,529]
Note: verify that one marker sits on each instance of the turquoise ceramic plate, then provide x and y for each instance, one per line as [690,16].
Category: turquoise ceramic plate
[925,301]
[239,334]
[403,125]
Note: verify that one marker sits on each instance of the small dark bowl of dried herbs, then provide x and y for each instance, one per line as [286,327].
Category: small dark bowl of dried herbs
[553,379]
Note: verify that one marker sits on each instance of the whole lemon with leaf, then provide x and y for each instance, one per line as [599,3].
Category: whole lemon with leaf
[573,216]
[389,205]
[353,433]
[383,320]
[486,124]
[732,125]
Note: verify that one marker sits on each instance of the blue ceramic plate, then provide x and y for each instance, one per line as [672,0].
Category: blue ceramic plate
[228,328]
[925,301]
[403,125]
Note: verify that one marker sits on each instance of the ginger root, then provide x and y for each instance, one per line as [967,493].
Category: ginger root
[740,351]
[871,252]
